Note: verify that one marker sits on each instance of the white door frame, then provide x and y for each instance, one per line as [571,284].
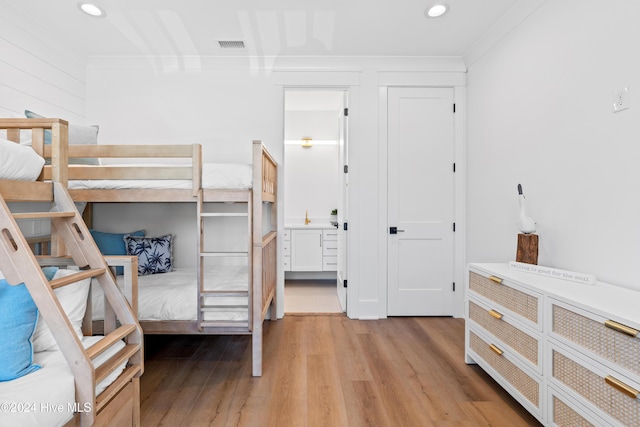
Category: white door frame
[351,93]
[459,96]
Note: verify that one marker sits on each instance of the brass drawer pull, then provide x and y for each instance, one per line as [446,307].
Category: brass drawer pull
[496,350]
[620,328]
[495,314]
[619,385]
[495,279]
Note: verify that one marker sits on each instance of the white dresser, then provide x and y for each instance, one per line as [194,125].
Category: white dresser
[568,352]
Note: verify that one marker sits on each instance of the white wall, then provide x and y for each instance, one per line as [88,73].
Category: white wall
[310,173]
[540,114]
[319,125]
[222,108]
[311,183]
[36,73]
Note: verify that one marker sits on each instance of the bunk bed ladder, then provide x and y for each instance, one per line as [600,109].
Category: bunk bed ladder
[19,264]
[206,296]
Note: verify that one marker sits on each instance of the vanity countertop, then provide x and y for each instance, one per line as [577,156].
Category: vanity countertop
[312,225]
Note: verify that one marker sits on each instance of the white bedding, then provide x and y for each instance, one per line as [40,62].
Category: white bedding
[18,162]
[234,176]
[173,295]
[43,397]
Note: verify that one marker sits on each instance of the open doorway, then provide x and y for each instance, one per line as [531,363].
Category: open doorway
[314,200]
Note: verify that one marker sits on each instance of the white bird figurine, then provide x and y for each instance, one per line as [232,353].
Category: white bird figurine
[527,224]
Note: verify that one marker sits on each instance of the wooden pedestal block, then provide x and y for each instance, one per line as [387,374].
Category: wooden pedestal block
[527,248]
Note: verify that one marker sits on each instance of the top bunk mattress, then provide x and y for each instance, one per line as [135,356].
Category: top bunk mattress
[223,176]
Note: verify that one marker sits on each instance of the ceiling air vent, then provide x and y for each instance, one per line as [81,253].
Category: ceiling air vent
[231,44]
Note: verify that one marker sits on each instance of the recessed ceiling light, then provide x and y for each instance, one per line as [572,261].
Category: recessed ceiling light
[92,9]
[436,10]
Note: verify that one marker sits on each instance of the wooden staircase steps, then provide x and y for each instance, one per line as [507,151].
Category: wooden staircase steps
[19,264]
[76,277]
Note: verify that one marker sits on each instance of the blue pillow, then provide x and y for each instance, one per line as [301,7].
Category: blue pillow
[50,272]
[113,243]
[154,253]
[18,317]
[18,314]
[47,133]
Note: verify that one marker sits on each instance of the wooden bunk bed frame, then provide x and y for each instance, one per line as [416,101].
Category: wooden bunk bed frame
[119,404]
[262,250]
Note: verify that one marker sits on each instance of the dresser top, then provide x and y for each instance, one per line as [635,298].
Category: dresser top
[609,301]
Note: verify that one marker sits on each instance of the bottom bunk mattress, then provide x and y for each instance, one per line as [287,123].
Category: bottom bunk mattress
[46,397]
[174,295]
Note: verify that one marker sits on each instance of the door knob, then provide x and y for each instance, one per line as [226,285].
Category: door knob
[394,230]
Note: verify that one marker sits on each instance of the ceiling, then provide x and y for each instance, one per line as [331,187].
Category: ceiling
[268,28]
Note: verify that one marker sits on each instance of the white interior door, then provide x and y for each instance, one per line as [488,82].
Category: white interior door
[420,201]
[342,206]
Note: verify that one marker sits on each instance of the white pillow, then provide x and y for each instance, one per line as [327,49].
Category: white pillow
[73,299]
[25,136]
[19,162]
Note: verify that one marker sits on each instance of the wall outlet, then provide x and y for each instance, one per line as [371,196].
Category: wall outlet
[620,99]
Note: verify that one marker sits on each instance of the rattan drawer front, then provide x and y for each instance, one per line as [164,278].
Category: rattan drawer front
[521,303]
[519,341]
[564,415]
[589,382]
[521,381]
[592,334]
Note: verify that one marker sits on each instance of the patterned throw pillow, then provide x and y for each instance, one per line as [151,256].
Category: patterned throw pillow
[154,253]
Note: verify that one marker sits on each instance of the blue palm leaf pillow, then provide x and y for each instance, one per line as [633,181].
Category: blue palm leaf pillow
[154,253]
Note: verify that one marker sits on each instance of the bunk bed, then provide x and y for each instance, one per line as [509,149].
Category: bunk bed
[61,376]
[131,173]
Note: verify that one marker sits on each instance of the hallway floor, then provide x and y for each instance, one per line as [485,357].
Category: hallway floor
[310,296]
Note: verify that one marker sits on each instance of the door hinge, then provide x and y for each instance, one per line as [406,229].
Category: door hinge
[454,286]
[346,112]
[454,227]
[454,167]
[454,108]
[346,168]
[345,226]
[344,283]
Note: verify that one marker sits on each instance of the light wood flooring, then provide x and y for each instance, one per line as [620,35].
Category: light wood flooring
[325,371]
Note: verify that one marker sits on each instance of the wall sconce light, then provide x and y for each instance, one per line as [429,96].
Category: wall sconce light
[306,142]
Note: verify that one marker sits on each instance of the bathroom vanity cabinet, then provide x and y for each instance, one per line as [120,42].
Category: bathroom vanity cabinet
[311,249]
